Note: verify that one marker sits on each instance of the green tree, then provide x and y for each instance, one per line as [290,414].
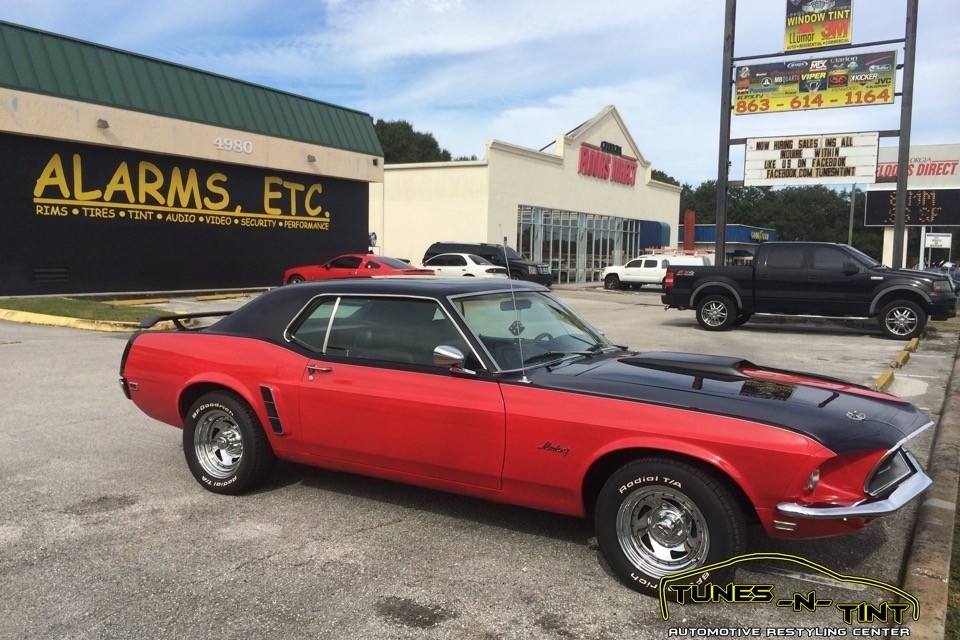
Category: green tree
[660,176]
[402,144]
[814,213]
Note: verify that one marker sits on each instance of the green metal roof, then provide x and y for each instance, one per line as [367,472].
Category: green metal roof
[42,62]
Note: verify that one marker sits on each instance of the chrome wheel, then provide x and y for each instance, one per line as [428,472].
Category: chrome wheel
[662,532]
[714,313]
[218,443]
[901,321]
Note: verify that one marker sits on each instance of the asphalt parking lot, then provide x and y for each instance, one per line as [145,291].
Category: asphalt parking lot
[106,534]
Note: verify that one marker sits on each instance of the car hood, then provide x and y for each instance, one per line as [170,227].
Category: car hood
[912,273]
[843,417]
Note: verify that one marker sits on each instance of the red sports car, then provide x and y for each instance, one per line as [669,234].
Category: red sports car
[497,390]
[353,265]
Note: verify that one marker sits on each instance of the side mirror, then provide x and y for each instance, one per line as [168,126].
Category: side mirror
[850,268]
[450,358]
[447,356]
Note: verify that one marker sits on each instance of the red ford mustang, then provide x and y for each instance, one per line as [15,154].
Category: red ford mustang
[353,265]
[482,388]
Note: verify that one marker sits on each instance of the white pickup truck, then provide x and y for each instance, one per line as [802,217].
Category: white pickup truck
[647,270]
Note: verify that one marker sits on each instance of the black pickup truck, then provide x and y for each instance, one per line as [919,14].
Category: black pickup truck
[811,279]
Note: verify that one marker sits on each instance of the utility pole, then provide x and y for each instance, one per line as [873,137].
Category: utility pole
[906,118]
[723,163]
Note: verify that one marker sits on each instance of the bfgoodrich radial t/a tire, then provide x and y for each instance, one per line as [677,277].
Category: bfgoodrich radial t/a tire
[656,517]
[225,446]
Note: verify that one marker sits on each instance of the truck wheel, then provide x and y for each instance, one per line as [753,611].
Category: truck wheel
[716,313]
[655,517]
[902,320]
[612,282]
[226,448]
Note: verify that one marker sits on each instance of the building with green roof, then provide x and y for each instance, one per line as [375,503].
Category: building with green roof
[127,173]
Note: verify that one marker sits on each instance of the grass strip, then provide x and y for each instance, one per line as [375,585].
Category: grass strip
[79,308]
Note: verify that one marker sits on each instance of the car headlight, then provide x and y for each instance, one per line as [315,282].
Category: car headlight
[893,469]
[942,286]
[532,269]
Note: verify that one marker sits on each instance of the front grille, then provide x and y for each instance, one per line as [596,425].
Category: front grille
[543,269]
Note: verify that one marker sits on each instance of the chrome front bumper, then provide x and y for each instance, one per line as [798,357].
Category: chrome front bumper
[904,493]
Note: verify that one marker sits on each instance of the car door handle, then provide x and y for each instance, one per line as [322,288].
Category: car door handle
[316,368]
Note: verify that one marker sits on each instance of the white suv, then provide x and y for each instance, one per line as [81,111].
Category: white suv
[647,270]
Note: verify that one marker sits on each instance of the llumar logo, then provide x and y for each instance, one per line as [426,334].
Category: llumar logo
[686,587]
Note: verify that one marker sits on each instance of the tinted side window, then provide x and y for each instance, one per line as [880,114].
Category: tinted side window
[650,264]
[635,264]
[828,258]
[785,257]
[394,330]
[346,262]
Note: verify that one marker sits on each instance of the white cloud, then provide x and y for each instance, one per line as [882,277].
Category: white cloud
[517,70]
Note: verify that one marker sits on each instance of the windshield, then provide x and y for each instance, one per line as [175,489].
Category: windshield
[528,328]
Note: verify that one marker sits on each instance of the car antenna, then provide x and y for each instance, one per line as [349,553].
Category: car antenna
[516,308]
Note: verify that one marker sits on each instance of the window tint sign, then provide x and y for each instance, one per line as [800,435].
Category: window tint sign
[817,23]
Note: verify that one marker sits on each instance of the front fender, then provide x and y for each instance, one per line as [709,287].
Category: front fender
[908,290]
[762,485]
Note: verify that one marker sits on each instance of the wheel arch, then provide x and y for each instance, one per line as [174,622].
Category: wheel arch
[715,288]
[196,389]
[899,293]
[604,466]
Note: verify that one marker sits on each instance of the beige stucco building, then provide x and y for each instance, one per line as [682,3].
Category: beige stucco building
[580,204]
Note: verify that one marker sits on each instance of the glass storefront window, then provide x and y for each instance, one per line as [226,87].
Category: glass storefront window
[577,246]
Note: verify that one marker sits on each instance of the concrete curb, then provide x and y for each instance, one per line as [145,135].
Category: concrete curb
[927,571]
[76,323]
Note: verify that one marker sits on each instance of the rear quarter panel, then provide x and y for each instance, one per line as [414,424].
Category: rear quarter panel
[166,365]
[692,282]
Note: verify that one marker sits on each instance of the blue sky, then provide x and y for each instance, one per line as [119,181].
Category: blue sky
[521,71]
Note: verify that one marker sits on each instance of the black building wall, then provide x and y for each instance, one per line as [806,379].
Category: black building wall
[77,218]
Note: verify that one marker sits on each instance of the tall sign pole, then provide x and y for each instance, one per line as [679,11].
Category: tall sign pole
[723,164]
[906,118]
